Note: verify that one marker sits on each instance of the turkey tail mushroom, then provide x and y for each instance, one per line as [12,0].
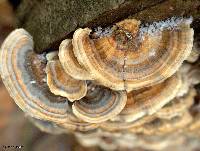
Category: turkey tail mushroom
[163,126]
[148,100]
[131,57]
[60,83]
[177,106]
[46,126]
[114,125]
[23,73]
[103,62]
[100,104]
[128,80]
[70,63]
[193,57]
[76,124]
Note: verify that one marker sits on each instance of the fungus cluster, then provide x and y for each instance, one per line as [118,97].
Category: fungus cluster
[126,80]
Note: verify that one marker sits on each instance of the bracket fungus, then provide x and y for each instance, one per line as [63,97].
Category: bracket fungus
[23,72]
[148,100]
[99,104]
[76,124]
[46,126]
[177,106]
[69,62]
[131,57]
[60,83]
[122,125]
[193,57]
[163,126]
[131,79]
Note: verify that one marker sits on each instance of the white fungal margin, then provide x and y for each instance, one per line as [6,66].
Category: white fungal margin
[172,23]
[103,32]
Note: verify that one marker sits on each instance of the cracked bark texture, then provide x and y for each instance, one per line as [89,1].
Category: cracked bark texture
[51,21]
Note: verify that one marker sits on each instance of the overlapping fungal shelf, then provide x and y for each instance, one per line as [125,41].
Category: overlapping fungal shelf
[136,79]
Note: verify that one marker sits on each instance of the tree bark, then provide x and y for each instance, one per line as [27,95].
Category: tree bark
[51,21]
